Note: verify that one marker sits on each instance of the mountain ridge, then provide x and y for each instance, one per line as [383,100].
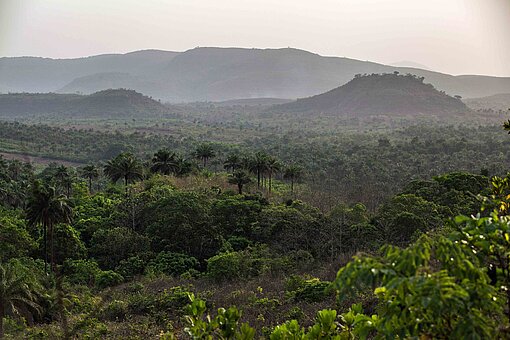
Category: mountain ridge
[217,74]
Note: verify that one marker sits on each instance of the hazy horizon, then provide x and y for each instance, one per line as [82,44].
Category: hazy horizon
[454,37]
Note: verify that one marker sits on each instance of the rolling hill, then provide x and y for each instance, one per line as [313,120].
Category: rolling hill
[108,103]
[217,74]
[496,102]
[379,94]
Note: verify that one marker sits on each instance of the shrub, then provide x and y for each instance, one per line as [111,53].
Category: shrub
[108,278]
[81,271]
[309,290]
[224,266]
[239,243]
[173,264]
[115,311]
[131,267]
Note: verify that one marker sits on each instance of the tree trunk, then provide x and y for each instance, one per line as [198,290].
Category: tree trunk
[292,184]
[52,247]
[61,307]
[90,185]
[1,320]
[258,178]
[240,188]
[126,184]
[270,181]
[45,241]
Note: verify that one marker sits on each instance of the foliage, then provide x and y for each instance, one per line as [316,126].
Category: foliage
[173,264]
[307,289]
[108,278]
[432,288]
[110,246]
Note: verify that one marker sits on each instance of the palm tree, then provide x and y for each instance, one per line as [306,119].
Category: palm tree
[46,208]
[18,291]
[204,152]
[258,165]
[240,178]
[184,166]
[63,178]
[164,162]
[233,162]
[293,172]
[90,172]
[124,166]
[273,166]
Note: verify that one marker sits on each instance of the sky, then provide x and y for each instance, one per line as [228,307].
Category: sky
[450,36]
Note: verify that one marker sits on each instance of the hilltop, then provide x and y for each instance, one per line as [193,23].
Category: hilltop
[379,94]
[108,103]
[217,74]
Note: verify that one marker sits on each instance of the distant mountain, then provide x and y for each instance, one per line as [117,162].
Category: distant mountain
[496,102]
[407,63]
[379,94]
[216,74]
[253,102]
[34,74]
[107,103]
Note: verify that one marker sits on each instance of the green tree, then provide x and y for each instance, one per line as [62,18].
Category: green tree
[18,291]
[184,166]
[239,178]
[273,166]
[46,208]
[232,162]
[293,173]
[124,166]
[258,165]
[204,152]
[90,172]
[164,162]
[64,179]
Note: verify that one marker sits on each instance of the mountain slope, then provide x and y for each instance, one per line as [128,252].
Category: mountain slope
[107,103]
[379,94]
[217,74]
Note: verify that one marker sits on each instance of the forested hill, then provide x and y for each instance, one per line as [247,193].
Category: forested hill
[379,94]
[107,103]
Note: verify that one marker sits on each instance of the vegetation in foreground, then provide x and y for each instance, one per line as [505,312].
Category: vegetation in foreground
[159,248]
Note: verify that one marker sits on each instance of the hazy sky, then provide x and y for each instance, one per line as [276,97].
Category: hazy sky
[452,36]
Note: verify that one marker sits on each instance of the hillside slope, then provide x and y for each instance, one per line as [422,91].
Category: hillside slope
[379,94]
[107,103]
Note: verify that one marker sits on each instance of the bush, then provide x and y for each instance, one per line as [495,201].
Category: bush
[108,278]
[173,264]
[115,311]
[131,267]
[224,266]
[81,271]
[238,242]
[309,290]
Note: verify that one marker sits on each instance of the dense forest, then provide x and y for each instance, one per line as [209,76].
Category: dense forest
[149,244]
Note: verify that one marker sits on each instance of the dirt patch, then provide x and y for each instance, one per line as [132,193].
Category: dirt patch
[37,160]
